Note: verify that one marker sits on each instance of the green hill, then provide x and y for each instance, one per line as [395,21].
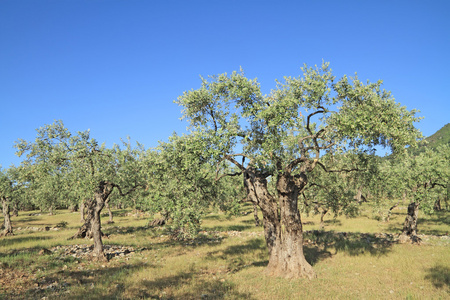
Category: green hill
[440,137]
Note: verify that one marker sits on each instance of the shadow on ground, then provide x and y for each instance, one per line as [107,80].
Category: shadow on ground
[439,276]
[351,243]
[110,283]
[12,240]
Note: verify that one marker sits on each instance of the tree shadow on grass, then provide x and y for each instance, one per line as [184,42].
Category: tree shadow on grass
[197,286]
[439,276]
[334,222]
[229,228]
[353,244]
[12,240]
[108,229]
[108,283]
[78,284]
[235,255]
[21,219]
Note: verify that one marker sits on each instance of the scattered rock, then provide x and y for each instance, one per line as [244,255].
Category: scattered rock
[45,252]
[83,251]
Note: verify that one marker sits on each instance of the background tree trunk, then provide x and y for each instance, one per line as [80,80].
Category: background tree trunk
[7,218]
[82,207]
[322,215]
[96,225]
[437,205]
[85,230]
[109,212]
[409,231]
[15,212]
[73,207]
[388,218]
[255,215]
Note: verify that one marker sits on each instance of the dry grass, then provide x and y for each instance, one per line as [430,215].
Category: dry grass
[226,262]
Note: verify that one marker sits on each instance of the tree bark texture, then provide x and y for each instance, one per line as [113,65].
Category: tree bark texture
[282,229]
[15,212]
[85,231]
[110,214]
[322,215]
[255,214]
[410,225]
[7,218]
[101,195]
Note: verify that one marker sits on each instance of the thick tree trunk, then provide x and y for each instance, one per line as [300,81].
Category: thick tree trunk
[257,192]
[288,259]
[7,218]
[50,210]
[282,230]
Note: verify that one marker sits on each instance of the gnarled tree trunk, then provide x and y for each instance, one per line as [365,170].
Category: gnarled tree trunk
[110,214]
[100,195]
[85,231]
[289,260]
[7,218]
[282,229]
[15,212]
[322,215]
[409,231]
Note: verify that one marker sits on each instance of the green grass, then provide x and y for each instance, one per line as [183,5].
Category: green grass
[227,262]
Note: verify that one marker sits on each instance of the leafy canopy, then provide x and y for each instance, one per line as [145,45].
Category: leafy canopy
[300,120]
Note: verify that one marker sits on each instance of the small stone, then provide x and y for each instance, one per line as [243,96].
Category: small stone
[45,252]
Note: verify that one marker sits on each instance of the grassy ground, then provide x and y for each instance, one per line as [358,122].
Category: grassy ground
[226,262]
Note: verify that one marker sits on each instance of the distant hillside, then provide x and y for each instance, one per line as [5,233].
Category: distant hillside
[440,137]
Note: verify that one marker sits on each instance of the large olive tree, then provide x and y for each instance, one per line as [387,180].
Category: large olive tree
[284,136]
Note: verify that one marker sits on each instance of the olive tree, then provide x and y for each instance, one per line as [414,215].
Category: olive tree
[182,188]
[339,189]
[6,192]
[77,163]
[13,190]
[285,135]
[424,177]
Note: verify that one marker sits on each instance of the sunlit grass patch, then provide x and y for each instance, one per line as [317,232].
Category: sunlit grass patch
[226,261]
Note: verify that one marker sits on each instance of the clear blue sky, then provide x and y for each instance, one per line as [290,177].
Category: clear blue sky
[116,66]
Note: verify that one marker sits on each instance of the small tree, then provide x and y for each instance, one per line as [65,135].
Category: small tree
[82,166]
[339,189]
[425,177]
[182,186]
[284,136]
[11,189]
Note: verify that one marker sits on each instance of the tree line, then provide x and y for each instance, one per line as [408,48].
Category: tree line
[309,144]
